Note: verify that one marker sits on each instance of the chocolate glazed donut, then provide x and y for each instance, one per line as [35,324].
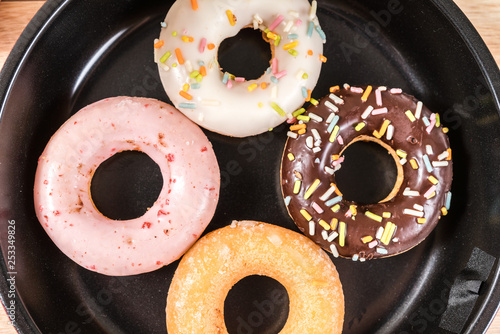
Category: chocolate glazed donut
[413,136]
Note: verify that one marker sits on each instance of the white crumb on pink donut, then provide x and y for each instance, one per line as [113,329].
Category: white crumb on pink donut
[181,213]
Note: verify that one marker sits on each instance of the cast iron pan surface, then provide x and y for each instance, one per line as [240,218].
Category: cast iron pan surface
[74,53]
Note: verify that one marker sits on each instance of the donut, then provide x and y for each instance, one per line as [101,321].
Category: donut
[185,206]
[413,136]
[187,51]
[206,273]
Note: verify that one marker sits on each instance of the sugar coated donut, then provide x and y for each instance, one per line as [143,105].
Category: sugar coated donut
[187,51]
[183,209]
[415,139]
[206,273]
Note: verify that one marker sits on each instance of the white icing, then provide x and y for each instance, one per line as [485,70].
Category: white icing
[238,112]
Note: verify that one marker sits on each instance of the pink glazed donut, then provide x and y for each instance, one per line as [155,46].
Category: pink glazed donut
[184,208]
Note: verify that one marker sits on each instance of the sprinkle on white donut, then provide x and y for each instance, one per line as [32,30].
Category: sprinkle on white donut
[186,53]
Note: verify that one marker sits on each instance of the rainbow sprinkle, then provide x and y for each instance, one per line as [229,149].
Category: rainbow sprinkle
[278,109]
[186,105]
[276,22]
[328,193]
[373,216]
[252,87]
[179,56]
[298,112]
[378,97]
[342,234]
[418,111]
[367,239]
[165,57]
[290,45]
[230,17]
[332,236]
[334,251]
[306,214]
[366,94]
[448,200]
[334,134]
[410,116]
[389,230]
[312,189]
[313,9]
[380,111]
[158,44]
[427,163]
[324,224]
[414,164]
[321,32]
[333,201]
[360,126]
[421,220]
[381,250]
[312,227]
[380,133]
[203,44]
[296,187]
[433,180]
[412,212]
[194,4]
[310,29]
[367,112]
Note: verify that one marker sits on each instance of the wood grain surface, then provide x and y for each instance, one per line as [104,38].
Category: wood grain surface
[15,15]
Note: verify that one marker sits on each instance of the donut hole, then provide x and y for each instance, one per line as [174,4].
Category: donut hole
[368,174]
[245,55]
[256,304]
[126,185]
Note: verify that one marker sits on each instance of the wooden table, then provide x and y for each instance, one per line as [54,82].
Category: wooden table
[15,15]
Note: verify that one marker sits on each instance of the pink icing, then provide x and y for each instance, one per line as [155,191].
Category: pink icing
[181,213]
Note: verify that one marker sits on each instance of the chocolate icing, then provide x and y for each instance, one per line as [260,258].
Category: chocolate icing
[409,136]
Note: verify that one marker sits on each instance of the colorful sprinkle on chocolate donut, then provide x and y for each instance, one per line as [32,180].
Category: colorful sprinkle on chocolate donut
[416,140]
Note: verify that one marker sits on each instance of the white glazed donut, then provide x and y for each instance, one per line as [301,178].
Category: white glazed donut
[183,209]
[188,47]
